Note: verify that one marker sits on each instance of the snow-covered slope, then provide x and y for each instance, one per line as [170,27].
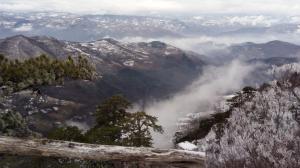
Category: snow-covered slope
[107,54]
[261,128]
[261,131]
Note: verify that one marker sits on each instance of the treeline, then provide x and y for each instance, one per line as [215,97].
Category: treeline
[42,70]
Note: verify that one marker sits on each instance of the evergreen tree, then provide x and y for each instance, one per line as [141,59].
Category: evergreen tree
[112,111]
[42,71]
[137,128]
[69,133]
[13,124]
[116,126]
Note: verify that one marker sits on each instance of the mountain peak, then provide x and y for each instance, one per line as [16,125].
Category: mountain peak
[110,40]
[21,47]
[158,44]
[17,37]
[278,42]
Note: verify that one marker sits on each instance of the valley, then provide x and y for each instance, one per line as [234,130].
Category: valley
[88,84]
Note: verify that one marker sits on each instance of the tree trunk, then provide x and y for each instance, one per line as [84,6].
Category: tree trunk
[72,150]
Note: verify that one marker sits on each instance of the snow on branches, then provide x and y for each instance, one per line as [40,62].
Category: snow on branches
[263,131]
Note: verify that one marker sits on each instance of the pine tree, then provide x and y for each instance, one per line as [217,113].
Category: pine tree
[42,71]
[116,126]
[69,133]
[137,128]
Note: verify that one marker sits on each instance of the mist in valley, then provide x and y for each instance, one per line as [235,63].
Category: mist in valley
[219,78]
[199,97]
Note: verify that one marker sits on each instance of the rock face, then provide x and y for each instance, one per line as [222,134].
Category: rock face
[139,71]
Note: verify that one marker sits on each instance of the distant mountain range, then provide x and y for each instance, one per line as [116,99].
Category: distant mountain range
[273,52]
[73,27]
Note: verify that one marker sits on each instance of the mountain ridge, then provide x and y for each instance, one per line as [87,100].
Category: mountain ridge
[139,71]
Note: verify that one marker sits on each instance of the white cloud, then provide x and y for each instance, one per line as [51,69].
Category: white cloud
[157,6]
[252,20]
[208,45]
[92,6]
[198,97]
[23,28]
[298,30]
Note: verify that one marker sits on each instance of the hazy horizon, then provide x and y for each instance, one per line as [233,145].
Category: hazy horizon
[157,7]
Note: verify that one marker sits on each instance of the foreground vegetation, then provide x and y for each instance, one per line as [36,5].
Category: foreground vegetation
[114,124]
[262,128]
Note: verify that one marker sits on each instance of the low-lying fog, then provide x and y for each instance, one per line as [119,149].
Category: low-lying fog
[213,83]
[198,97]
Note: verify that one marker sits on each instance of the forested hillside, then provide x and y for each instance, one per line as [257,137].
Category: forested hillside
[34,72]
[114,124]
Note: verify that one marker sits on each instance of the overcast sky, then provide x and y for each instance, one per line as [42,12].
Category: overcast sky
[180,7]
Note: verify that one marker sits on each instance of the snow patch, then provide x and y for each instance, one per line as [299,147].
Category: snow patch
[228,97]
[129,63]
[187,146]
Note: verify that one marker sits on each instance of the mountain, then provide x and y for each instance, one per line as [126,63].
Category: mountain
[140,71]
[277,29]
[75,27]
[266,50]
[108,55]
[272,61]
[21,47]
[273,52]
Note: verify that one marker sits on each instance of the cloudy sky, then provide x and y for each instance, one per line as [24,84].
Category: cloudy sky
[181,7]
